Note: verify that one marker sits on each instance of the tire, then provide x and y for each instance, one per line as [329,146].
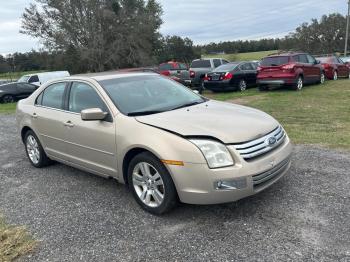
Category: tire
[322,78]
[151,184]
[34,150]
[201,87]
[8,99]
[335,75]
[242,85]
[263,88]
[298,86]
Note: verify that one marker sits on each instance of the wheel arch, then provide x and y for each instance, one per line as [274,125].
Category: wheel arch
[24,130]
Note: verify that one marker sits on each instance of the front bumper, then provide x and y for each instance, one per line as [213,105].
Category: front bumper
[197,184]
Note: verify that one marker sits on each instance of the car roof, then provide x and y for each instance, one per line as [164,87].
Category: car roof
[109,75]
[286,54]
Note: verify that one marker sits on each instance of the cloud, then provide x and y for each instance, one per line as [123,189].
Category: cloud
[203,21]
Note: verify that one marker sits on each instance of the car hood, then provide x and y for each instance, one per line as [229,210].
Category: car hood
[227,122]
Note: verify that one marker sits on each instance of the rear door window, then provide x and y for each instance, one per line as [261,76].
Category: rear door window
[303,59]
[53,95]
[217,62]
[275,61]
[201,64]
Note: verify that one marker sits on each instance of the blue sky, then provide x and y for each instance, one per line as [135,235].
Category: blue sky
[202,20]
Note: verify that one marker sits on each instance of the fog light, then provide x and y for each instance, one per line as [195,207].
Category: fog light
[230,184]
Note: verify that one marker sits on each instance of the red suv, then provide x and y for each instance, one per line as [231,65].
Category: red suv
[175,70]
[291,69]
[334,67]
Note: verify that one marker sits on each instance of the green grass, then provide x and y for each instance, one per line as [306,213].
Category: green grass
[319,114]
[15,241]
[7,108]
[16,75]
[243,56]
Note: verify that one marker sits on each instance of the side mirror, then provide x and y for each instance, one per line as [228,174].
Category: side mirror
[196,92]
[93,114]
[317,62]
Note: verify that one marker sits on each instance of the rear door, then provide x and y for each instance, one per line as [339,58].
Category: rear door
[48,119]
[91,144]
[314,68]
[249,73]
[306,67]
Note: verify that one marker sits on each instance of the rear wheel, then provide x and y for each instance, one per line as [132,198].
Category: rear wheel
[298,86]
[242,85]
[322,78]
[8,99]
[151,184]
[35,151]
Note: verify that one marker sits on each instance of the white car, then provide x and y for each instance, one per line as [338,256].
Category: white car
[41,78]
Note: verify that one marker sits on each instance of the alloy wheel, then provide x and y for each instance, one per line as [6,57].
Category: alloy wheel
[300,83]
[323,78]
[335,75]
[8,99]
[242,85]
[148,184]
[33,149]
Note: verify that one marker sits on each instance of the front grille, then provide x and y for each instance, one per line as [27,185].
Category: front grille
[262,179]
[261,145]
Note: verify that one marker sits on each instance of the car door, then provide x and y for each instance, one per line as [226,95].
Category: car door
[48,119]
[91,144]
[314,68]
[249,73]
[306,67]
[24,90]
[343,70]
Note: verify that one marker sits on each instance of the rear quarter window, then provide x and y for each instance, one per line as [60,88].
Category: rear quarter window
[275,61]
[201,64]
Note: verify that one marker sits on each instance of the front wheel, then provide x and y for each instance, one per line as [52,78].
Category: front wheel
[151,184]
[322,78]
[335,75]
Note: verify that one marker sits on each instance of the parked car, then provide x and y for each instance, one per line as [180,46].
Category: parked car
[164,141]
[12,92]
[231,76]
[41,78]
[177,71]
[334,67]
[289,69]
[200,67]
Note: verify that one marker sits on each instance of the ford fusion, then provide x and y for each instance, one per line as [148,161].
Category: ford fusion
[167,143]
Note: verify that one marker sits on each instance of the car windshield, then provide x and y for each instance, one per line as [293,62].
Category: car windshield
[324,59]
[23,79]
[148,94]
[275,61]
[226,67]
[200,64]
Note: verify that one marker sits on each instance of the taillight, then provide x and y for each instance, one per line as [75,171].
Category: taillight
[165,73]
[206,77]
[228,76]
[326,66]
[259,68]
[192,74]
[288,67]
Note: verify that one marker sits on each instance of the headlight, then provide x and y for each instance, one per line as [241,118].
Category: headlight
[215,153]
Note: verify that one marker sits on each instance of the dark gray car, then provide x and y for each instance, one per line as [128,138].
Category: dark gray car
[200,67]
[11,92]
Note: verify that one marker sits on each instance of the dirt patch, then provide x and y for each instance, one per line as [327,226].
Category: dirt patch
[245,100]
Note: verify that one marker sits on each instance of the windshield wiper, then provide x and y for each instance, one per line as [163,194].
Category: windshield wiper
[188,104]
[144,113]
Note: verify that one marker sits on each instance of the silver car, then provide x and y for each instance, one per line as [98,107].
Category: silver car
[165,142]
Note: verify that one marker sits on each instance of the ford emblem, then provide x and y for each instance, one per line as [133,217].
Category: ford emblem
[271,141]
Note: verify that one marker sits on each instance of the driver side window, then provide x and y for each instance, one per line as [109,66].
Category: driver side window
[83,96]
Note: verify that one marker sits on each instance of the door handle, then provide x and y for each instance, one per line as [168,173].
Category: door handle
[69,124]
[34,115]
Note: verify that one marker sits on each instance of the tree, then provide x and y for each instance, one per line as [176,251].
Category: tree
[176,48]
[319,37]
[104,34]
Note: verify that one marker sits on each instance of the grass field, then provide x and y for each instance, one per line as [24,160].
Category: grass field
[14,241]
[242,56]
[319,114]
[16,75]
